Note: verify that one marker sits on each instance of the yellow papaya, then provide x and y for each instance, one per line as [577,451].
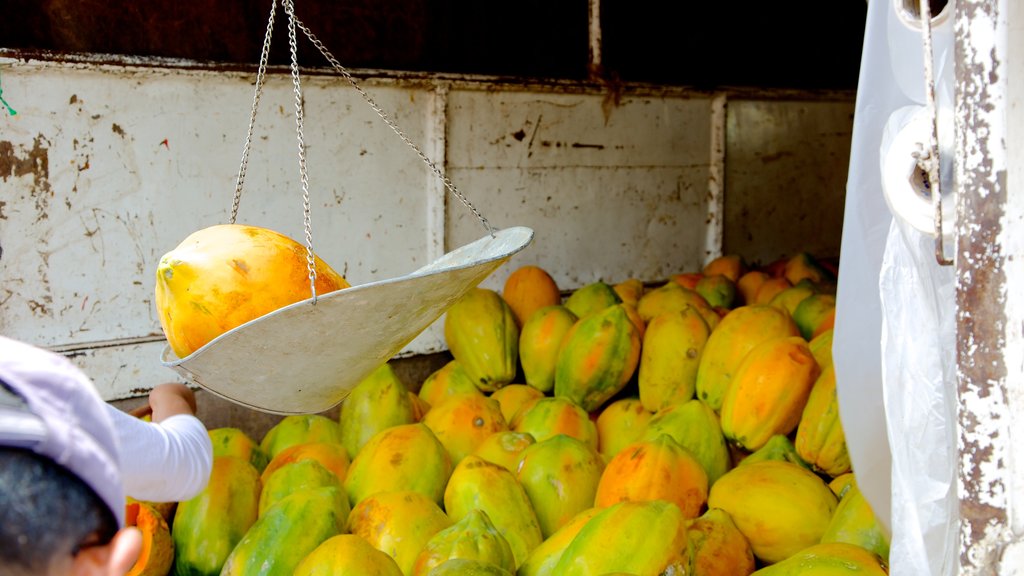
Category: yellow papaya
[539,341]
[820,439]
[230,441]
[406,457]
[379,401]
[841,484]
[478,484]
[551,416]
[658,469]
[529,288]
[512,398]
[296,476]
[669,358]
[695,426]
[828,559]
[673,297]
[329,455]
[448,380]
[597,358]
[347,554]
[731,266]
[815,314]
[791,298]
[157,553]
[715,547]
[299,429]
[619,424]
[748,285]
[768,393]
[398,523]
[544,558]
[547,468]
[769,289]
[209,526]
[473,537]
[778,447]
[854,522]
[591,298]
[504,448]
[468,567]
[463,422]
[482,334]
[223,276]
[802,266]
[779,507]
[737,334]
[632,537]
[821,348]
[287,532]
[629,290]
[718,290]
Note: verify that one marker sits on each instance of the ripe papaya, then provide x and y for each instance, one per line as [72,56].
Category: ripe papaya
[669,358]
[619,424]
[379,401]
[718,290]
[463,422]
[294,477]
[768,393]
[529,288]
[629,290]
[731,266]
[482,334]
[512,398]
[223,276]
[398,523]
[597,358]
[406,457]
[539,341]
[447,380]
[695,426]
[547,468]
[544,558]
[672,297]
[328,454]
[854,522]
[299,429]
[738,333]
[504,448]
[715,547]
[468,567]
[778,447]
[831,559]
[551,416]
[157,553]
[591,298]
[820,439]
[780,507]
[230,441]
[347,554]
[473,537]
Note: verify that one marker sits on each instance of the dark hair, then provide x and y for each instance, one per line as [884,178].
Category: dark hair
[45,511]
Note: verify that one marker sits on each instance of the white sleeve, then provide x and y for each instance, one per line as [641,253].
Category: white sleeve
[168,461]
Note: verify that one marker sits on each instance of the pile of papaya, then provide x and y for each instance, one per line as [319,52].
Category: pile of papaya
[685,428]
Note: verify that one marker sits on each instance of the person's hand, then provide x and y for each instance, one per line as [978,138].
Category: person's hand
[170,399]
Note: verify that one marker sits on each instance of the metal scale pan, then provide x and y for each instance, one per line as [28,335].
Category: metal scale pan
[305,358]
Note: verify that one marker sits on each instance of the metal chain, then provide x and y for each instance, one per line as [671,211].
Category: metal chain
[394,127]
[289,7]
[261,76]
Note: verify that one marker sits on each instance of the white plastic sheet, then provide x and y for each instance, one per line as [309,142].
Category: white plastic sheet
[893,298]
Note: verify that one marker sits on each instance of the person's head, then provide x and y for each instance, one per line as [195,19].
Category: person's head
[61,498]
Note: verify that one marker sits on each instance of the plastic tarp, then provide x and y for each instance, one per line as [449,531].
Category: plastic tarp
[894,333]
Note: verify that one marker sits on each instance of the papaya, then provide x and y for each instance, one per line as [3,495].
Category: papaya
[347,554]
[634,317]
[715,547]
[629,290]
[299,429]
[695,426]
[658,469]
[544,558]
[539,341]
[157,553]
[854,522]
[529,288]
[768,393]
[420,407]
[229,441]
[207,527]
[287,532]
[377,402]
[165,509]
[548,467]
[481,331]
[551,416]
[780,507]
[738,333]
[718,290]
[778,447]
[802,266]
[748,285]
[841,484]
[820,439]
[399,524]
[478,484]
[821,348]
[468,567]
[597,358]
[769,289]
[815,314]
[731,266]
[463,422]
[223,276]
[828,559]
[406,457]
[591,298]
[790,298]
[331,456]
[512,398]
[473,537]
[504,448]
[687,280]
[632,537]
[619,424]
[294,477]
[671,297]
[448,380]
[669,358]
